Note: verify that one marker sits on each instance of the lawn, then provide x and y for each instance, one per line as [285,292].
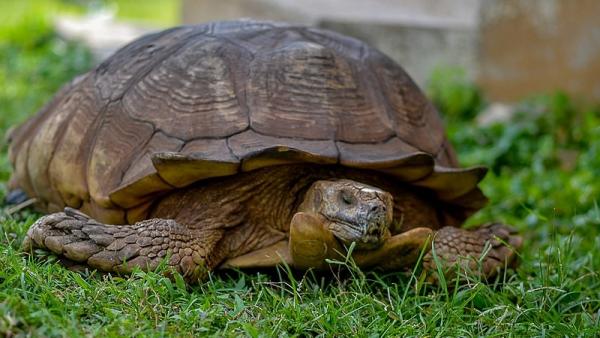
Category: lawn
[545,167]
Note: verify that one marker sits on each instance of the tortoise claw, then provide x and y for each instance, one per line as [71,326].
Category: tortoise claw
[76,214]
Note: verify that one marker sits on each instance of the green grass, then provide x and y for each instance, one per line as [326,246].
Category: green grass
[161,13]
[553,201]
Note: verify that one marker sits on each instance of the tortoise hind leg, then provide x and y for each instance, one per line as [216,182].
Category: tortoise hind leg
[481,252]
[120,248]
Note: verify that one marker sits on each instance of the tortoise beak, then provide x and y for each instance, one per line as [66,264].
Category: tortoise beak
[367,237]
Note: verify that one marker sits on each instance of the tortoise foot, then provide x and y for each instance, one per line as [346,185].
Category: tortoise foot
[56,232]
[76,238]
[120,248]
[482,252]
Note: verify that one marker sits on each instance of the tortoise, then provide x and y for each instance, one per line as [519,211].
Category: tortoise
[249,144]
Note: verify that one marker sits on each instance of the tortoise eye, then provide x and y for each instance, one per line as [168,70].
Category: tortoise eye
[346,197]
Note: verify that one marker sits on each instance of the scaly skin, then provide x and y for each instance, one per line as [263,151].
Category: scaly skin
[120,248]
[200,227]
[467,251]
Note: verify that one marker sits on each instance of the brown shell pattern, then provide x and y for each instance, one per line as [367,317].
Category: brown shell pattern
[212,100]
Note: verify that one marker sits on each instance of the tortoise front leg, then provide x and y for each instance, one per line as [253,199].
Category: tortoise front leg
[397,252]
[120,248]
[481,252]
[311,243]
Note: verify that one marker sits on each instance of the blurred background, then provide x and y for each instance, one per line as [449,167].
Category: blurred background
[517,81]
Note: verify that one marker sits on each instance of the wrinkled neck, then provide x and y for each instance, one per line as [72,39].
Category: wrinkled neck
[281,191]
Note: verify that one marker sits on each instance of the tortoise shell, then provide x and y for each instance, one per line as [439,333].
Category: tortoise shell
[195,102]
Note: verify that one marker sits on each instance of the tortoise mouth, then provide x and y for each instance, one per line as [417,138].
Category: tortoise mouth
[347,233]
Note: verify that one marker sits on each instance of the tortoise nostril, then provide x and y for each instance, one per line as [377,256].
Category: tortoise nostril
[377,208]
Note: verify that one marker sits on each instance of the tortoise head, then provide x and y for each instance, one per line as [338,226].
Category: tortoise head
[356,212]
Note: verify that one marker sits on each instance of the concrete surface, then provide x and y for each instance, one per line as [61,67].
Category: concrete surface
[100,32]
[533,46]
